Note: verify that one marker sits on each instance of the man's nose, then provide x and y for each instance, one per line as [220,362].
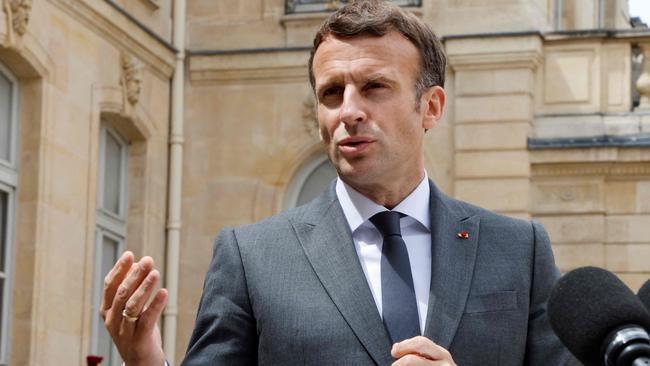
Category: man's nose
[352,109]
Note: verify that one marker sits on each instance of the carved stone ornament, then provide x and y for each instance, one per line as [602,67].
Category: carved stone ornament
[310,117]
[20,10]
[131,77]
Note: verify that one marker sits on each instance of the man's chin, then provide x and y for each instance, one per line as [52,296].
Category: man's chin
[356,173]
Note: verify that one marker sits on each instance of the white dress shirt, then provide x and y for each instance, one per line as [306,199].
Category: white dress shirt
[416,232]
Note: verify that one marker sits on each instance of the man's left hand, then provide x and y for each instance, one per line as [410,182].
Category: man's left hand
[420,351]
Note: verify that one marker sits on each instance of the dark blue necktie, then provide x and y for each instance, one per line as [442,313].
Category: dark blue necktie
[399,306]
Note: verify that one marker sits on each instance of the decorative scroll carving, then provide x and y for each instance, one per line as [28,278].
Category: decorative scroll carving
[310,117]
[131,77]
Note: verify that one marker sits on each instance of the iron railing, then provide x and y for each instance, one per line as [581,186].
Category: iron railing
[311,6]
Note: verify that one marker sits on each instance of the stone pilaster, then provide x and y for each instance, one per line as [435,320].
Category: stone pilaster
[493,111]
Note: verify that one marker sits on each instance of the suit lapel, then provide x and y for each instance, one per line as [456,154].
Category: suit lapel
[326,239]
[452,266]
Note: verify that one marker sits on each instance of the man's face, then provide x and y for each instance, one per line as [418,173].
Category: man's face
[368,117]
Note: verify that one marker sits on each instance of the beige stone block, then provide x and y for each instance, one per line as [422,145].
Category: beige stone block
[491,136]
[494,108]
[621,197]
[643,196]
[616,76]
[645,124]
[490,164]
[491,82]
[628,257]
[634,280]
[574,228]
[503,195]
[621,125]
[570,79]
[571,256]
[567,196]
[628,229]
[562,89]
[486,47]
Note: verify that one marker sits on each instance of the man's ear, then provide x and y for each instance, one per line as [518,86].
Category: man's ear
[433,102]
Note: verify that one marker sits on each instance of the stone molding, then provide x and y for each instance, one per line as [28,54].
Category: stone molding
[109,24]
[494,53]
[508,60]
[263,65]
[595,169]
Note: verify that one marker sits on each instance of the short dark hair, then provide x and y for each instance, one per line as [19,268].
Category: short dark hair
[377,18]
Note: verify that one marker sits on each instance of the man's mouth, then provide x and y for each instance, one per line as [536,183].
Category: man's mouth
[354,145]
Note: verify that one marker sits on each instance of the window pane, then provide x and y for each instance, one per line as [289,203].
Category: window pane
[110,248]
[5,117]
[4,213]
[316,182]
[112,173]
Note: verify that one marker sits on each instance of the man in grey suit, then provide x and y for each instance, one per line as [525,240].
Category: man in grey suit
[382,268]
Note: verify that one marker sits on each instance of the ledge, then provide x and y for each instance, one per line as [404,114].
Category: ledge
[265,64]
[629,141]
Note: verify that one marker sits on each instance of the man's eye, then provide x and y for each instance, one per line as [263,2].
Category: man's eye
[330,92]
[374,86]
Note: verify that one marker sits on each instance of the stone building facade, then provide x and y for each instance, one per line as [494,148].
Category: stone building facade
[548,118]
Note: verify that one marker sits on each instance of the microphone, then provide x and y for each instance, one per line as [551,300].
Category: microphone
[599,319]
[644,294]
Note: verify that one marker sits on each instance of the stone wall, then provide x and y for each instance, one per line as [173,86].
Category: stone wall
[69,60]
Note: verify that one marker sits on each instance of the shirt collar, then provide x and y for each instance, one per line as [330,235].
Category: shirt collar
[357,208]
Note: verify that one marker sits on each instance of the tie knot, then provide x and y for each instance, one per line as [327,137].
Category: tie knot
[387,222]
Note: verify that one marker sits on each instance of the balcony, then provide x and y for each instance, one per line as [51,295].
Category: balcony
[313,6]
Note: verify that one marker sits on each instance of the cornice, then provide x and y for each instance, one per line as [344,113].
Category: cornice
[505,60]
[260,65]
[592,169]
[115,27]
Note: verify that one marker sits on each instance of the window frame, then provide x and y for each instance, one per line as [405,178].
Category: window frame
[9,181]
[108,224]
[7,294]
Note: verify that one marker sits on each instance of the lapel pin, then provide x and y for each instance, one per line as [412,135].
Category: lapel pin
[463,235]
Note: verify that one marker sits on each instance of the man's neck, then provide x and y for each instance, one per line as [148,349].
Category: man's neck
[390,194]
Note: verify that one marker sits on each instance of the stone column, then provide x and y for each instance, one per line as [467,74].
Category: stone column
[493,113]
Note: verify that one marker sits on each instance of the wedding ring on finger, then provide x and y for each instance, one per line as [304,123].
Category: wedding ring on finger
[129,318]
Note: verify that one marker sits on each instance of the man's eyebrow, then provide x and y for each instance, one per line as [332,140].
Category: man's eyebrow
[326,84]
[381,78]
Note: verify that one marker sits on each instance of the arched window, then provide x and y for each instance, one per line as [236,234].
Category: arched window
[8,185]
[111,226]
[310,181]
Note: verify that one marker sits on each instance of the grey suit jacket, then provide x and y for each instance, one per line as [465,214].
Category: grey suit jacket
[290,290]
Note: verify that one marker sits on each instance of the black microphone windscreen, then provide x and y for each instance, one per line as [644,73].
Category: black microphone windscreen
[644,294]
[586,305]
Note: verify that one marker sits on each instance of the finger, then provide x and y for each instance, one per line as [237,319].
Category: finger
[151,314]
[138,300]
[415,360]
[133,279]
[420,346]
[113,279]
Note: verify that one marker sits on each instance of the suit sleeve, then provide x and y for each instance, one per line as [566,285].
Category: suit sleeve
[225,331]
[542,345]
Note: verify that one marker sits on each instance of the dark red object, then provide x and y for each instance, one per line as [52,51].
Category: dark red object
[463,235]
[94,360]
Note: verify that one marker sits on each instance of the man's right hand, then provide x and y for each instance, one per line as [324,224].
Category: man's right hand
[130,322]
